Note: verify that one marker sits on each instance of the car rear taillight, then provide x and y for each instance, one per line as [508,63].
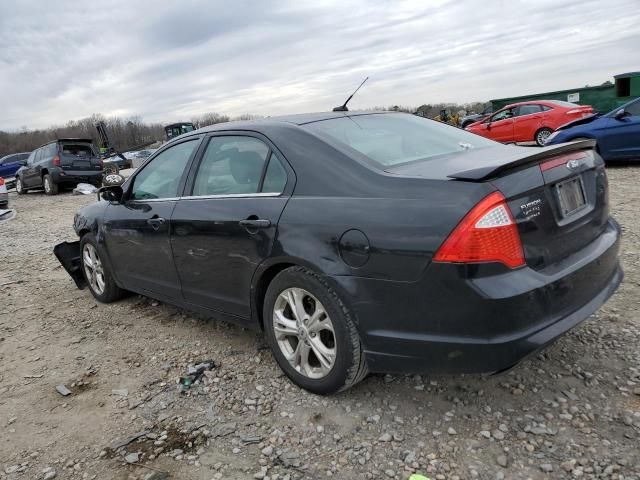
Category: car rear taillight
[56,160]
[488,233]
[1,181]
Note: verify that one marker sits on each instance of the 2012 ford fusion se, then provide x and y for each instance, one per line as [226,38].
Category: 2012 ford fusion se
[361,242]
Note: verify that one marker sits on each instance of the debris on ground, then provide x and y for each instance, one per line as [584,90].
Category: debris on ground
[84,189]
[195,373]
[63,390]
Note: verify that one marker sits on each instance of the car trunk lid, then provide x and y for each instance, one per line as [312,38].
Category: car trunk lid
[78,156]
[558,195]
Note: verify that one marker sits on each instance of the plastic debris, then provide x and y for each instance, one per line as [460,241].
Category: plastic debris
[6,214]
[195,373]
[84,189]
[122,392]
[63,390]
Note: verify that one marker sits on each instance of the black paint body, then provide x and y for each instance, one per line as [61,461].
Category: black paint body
[372,235]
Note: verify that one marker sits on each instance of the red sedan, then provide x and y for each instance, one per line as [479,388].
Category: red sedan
[529,121]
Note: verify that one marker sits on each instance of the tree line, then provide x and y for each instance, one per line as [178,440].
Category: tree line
[129,132]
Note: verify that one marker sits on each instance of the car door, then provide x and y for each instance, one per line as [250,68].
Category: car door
[500,125]
[621,139]
[30,177]
[526,122]
[226,225]
[136,230]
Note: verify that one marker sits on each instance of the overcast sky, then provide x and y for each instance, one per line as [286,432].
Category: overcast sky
[169,61]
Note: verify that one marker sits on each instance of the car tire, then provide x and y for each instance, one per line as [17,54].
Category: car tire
[332,333]
[96,271]
[50,187]
[541,136]
[20,190]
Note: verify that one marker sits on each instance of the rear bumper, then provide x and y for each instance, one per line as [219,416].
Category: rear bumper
[456,321]
[76,176]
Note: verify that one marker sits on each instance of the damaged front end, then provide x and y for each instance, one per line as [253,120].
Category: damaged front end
[68,254]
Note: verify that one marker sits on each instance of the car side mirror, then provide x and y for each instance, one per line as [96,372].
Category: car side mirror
[111,193]
[489,125]
[620,114]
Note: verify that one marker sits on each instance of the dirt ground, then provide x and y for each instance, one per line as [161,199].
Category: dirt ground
[571,412]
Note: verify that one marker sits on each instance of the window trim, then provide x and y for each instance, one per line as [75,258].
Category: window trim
[193,172]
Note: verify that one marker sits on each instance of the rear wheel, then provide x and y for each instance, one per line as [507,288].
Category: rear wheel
[542,135]
[20,186]
[311,333]
[50,187]
[96,272]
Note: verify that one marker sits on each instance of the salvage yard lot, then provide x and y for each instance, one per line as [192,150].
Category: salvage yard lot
[572,411]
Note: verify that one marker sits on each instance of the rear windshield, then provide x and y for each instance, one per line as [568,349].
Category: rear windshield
[77,149]
[392,139]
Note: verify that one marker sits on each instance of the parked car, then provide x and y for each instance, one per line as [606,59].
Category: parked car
[4,195]
[617,133]
[63,162]
[144,153]
[471,118]
[375,241]
[9,165]
[529,121]
[122,162]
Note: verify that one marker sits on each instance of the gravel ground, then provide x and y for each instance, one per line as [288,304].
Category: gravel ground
[572,411]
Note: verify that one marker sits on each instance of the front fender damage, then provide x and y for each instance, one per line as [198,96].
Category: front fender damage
[68,254]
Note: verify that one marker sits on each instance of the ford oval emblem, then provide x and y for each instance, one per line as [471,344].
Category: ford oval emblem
[573,164]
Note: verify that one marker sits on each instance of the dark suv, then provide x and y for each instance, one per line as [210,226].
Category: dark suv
[66,162]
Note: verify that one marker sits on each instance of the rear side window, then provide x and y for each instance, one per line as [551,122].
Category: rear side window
[231,165]
[275,178]
[160,178]
[528,109]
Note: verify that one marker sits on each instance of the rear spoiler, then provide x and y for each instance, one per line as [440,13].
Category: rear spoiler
[521,157]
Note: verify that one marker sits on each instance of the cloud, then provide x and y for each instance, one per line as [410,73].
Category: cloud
[168,61]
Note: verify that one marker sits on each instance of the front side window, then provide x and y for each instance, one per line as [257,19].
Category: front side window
[502,115]
[231,165]
[160,178]
[394,138]
[633,109]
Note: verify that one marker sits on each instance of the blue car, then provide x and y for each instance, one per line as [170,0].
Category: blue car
[10,164]
[617,132]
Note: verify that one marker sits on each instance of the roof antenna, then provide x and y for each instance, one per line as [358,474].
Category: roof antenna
[343,107]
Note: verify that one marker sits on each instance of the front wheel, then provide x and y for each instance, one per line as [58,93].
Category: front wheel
[542,135]
[20,186]
[50,187]
[311,333]
[96,273]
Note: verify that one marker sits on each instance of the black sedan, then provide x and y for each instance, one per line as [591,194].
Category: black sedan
[361,242]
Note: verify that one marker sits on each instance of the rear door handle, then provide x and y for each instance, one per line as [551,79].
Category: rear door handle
[156,222]
[255,223]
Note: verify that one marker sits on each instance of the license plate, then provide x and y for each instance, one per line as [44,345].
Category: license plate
[571,196]
[82,163]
